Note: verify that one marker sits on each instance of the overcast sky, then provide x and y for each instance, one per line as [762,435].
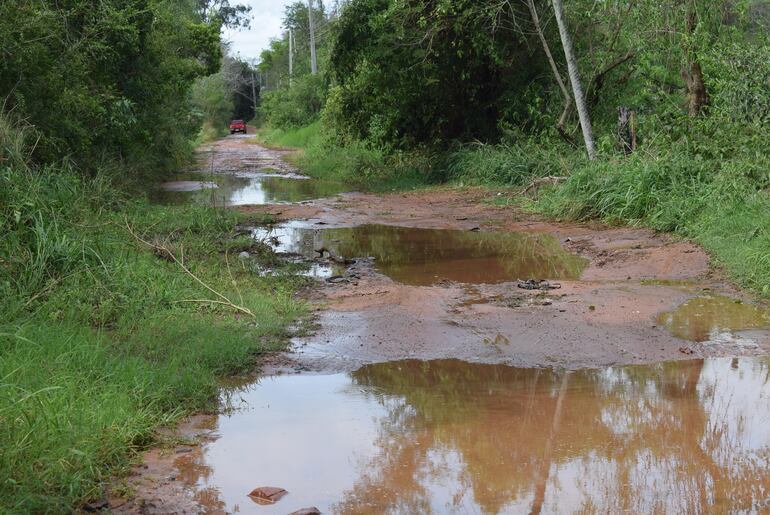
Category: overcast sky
[267,16]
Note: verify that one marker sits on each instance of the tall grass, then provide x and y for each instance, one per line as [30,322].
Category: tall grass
[104,338]
[356,164]
[505,165]
[719,203]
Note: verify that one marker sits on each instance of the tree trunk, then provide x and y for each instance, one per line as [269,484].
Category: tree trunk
[624,130]
[574,76]
[311,21]
[557,75]
[697,96]
[541,480]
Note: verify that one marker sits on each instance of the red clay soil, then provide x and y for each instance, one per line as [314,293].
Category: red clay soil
[607,317]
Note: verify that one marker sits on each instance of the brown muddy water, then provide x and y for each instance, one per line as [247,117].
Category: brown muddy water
[716,320]
[241,188]
[424,257]
[454,437]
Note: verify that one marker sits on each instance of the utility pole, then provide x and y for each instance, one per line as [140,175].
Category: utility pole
[254,90]
[313,58]
[291,55]
[574,76]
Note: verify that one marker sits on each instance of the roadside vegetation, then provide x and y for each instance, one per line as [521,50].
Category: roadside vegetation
[478,93]
[117,316]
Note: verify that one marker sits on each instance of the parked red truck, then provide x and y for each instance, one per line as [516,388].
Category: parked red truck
[237,126]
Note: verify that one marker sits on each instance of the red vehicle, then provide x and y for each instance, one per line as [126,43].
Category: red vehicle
[237,126]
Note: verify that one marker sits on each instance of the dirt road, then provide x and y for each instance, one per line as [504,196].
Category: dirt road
[607,316]
[441,274]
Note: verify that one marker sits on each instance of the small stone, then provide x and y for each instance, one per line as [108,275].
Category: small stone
[244,255]
[307,511]
[267,494]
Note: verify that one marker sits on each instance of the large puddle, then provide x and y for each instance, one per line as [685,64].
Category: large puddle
[453,437]
[242,188]
[429,256]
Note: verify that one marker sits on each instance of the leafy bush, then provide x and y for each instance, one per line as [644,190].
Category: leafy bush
[107,80]
[295,106]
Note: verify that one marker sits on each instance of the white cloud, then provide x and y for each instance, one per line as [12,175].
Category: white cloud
[266,23]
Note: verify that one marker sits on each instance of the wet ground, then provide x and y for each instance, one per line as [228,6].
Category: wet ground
[471,358]
[221,179]
[453,437]
[425,257]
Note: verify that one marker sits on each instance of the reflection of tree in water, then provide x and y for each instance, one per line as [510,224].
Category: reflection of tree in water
[638,439]
[420,256]
[238,189]
[296,190]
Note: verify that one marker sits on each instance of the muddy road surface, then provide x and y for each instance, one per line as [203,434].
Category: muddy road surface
[474,358]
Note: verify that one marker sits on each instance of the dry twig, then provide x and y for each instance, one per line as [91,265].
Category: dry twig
[166,252]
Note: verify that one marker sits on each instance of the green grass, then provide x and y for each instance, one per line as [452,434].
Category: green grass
[209,133]
[710,186]
[302,137]
[355,164]
[717,203]
[104,338]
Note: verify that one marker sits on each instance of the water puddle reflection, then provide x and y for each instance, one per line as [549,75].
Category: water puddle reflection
[242,188]
[716,320]
[430,256]
[453,437]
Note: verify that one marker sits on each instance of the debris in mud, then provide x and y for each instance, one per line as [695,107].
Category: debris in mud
[267,494]
[307,511]
[532,284]
[95,506]
[499,340]
[686,350]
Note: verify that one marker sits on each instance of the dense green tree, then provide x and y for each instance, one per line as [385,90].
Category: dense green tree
[417,72]
[107,79]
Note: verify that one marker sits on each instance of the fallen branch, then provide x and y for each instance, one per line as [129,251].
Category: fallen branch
[166,252]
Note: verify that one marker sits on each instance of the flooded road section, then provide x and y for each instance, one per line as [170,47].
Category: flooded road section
[423,257]
[454,437]
[437,381]
[241,188]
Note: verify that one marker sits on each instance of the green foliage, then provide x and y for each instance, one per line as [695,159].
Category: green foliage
[105,80]
[104,338]
[505,164]
[714,199]
[426,72]
[213,103]
[296,106]
[355,164]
